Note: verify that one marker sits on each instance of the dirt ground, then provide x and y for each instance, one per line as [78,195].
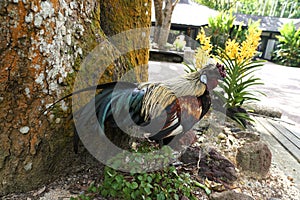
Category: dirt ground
[276,185]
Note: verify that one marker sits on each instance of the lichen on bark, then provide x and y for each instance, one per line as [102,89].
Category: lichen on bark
[42,44]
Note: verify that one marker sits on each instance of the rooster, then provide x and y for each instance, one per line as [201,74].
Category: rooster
[161,109]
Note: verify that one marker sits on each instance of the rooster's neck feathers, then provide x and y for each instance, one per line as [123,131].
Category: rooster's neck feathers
[161,94]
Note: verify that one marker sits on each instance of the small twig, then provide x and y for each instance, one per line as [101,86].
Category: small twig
[199,159]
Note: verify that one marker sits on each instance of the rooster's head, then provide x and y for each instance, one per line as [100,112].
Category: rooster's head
[211,73]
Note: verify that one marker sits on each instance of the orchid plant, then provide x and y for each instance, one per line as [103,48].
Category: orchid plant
[237,57]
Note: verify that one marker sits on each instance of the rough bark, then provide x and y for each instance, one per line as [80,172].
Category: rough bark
[118,16]
[135,14]
[158,7]
[163,16]
[42,44]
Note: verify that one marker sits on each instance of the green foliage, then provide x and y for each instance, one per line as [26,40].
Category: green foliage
[277,8]
[145,156]
[221,28]
[217,4]
[238,79]
[161,185]
[288,50]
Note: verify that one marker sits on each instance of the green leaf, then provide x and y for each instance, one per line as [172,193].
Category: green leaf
[206,189]
[134,185]
[115,185]
[149,179]
[176,196]
[113,193]
[140,177]
[104,192]
[119,178]
[160,196]
[127,191]
[94,189]
[189,69]
[147,190]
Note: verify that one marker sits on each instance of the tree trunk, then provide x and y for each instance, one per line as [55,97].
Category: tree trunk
[163,20]
[118,16]
[42,45]
[158,7]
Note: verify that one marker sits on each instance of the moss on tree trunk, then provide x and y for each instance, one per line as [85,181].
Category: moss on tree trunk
[118,16]
[42,44]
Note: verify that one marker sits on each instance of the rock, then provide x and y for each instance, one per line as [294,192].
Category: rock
[212,164]
[250,136]
[222,136]
[230,195]
[68,39]
[190,156]
[202,125]
[40,191]
[24,130]
[57,120]
[184,198]
[227,130]
[184,141]
[29,18]
[46,9]
[235,129]
[28,166]
[216,167]
[265,111]
[254,157]
[38,20]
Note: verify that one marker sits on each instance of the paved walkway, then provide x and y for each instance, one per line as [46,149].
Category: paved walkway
[282,87]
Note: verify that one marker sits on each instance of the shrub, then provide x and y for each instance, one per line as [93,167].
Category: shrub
[288,49]
[161,185]
[220,29]
[166,183]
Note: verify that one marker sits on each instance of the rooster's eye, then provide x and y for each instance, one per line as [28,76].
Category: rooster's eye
[203,78]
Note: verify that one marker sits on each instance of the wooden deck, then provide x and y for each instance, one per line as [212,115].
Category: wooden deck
[288,136]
